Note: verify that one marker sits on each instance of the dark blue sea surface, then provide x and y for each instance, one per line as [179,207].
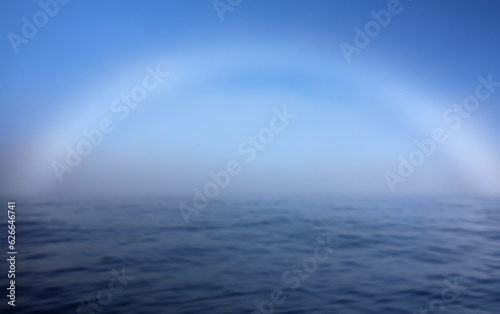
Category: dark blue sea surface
[307,254]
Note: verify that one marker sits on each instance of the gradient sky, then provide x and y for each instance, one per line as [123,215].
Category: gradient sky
[353,120]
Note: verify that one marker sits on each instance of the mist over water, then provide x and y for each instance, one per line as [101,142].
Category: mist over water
[250,156]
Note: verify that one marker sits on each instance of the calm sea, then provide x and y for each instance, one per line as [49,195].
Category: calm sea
[257,255]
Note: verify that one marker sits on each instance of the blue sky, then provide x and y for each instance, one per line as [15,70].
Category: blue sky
[353,119]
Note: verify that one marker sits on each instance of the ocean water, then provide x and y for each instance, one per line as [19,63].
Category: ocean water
[258,255]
